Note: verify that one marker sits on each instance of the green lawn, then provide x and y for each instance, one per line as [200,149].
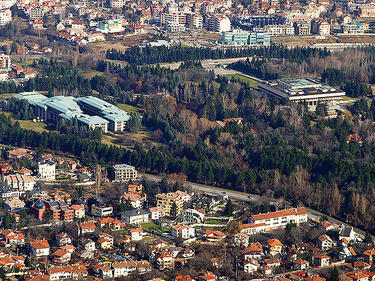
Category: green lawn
[91,73]
[155,227]
[214,222]
[35,126]
[129,108]
[6,96]
[29,124]
[252,83]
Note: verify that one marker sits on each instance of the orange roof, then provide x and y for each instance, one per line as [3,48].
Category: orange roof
[369,252]
[39,244]
[281,213]
[274,243]
[315,278]
[352,251]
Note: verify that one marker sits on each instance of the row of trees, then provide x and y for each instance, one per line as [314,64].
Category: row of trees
[153,55]
[354,89]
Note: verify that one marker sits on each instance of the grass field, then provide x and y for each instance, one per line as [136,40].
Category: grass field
[6,96]
[129,108]
[252,83]
[106,45]
[154,227]
[29,124]
[110,140]
[91,73]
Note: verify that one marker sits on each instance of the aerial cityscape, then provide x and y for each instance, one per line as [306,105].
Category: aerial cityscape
[198,140]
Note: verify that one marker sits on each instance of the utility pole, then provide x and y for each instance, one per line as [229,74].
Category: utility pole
[98,178]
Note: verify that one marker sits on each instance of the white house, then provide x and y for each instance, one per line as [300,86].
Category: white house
[47,170]
[192,216]
[156,213]
[183,231]
[40,248]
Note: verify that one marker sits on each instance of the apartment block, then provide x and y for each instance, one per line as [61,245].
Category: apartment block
[166,201]
[124,172]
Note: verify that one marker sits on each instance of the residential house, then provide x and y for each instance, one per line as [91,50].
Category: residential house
[63,239]
[14,204]
[326,225]
[347,233]
[39,248]
[274,246]
[250,266]
[254,251]
[164,260]
[135,216]
[325,242]
[321,260]
[183,231]
[86,227]
[300,264]
[156,213]
[79,211]
[135,200]
[209,276]
[214,235]
[369,256]
[11,237]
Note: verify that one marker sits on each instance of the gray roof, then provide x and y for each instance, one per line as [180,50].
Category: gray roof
[132,213]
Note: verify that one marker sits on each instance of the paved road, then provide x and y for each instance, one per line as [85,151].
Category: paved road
[313,214]
[209,190]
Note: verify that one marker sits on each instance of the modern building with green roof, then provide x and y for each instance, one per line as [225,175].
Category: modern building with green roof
[90,111]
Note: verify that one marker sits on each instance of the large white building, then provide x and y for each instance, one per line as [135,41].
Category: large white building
[192,216]
[183,231]
[20,182]
[90,112]
[274,220]
[217,23]
[124,172]
[117,3]
[47,170]
[302,90]
[5,16]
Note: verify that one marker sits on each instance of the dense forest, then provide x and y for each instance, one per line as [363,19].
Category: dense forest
[153,55]
[280,149]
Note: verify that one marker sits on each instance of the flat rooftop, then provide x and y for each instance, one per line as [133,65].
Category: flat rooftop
[123,166]
[300,82]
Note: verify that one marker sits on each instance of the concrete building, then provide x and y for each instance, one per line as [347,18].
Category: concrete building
[47,170]
[217,23]
[5,16]
[274,220]
[117,3]
[302,28]
[135,216]
[20,182]
[116,117]
[302,90]
[194,20]
[192,216]
[167,200]
[90,112]
[110,26]
[320,27]
[124,172]
[101,210]
[279,30]
[5,62]
[36,13]
[354,27]
[183,231]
